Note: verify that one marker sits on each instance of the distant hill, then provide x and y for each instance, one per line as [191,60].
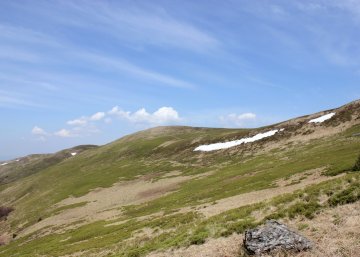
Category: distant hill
[28,165]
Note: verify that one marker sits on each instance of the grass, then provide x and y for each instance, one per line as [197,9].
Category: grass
[179,229]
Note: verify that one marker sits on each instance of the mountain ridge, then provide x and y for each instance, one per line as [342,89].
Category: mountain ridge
[154,175]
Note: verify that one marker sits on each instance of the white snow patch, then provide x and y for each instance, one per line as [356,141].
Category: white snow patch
[322,118]
[17,160]
[3,164]
[73,154]
[224,145]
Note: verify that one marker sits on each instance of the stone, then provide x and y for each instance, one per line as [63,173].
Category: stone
[274,236]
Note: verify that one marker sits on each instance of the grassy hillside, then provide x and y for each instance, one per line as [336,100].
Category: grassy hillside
[150,190]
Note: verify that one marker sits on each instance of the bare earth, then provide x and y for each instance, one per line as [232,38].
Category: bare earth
[106,203]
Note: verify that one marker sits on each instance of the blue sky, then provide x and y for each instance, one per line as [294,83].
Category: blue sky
[75,72]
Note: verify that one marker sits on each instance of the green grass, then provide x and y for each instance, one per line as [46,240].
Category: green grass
[179,229]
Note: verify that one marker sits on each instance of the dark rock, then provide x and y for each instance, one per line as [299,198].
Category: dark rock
[274,236]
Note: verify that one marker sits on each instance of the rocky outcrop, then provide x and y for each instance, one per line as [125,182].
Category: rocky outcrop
[274,236]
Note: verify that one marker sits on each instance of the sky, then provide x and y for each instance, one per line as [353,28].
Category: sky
[90,72]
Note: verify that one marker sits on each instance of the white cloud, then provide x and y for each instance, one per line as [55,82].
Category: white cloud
[78,122]
[38,131]
[64,133]
[118,112]
[166,114]
[86,126]
[84,120]
[97,116]
[163,115]
[238,119]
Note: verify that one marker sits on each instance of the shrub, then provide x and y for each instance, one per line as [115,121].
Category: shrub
[349,195]
[134,253]
[306,209]
[238,227]
[4,211]
[199,238]
[357,165]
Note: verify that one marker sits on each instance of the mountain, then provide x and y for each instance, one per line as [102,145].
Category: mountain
[151,193]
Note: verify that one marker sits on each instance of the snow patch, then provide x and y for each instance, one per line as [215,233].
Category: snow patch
[3,164]
[322,118]
[224,145]
[73,154]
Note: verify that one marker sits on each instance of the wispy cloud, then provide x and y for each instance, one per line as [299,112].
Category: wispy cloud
[144,25]
[17,54]
[234,119]
[118,64]
[11,34]
[64,133]
[10,99]
[77,131]
[29,51]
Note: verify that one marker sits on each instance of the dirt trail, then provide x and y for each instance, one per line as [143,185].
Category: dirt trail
[237,201]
